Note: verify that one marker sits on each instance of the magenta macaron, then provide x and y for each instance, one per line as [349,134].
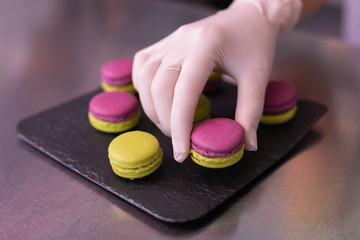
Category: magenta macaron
[114,112]
[217,143]
[280,103]
[117,75]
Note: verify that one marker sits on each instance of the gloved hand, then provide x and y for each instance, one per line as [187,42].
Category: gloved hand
[171,74]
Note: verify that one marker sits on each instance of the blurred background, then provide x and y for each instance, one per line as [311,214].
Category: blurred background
[38,36]
[40,28]
[51,51]
[337,18]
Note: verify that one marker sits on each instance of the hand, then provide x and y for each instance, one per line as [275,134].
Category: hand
[171,74]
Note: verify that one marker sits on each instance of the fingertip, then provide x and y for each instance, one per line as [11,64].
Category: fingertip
[180,150]
[180,156]
[181,142]
[251,140]
[189,86]
[249,107]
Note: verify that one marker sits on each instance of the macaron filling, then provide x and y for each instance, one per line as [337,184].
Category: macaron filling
[125,88]
[115,119]
[117,81]
[280,108]
[209,153]
[150,162]
[110,127]
[133,173]
[217,162]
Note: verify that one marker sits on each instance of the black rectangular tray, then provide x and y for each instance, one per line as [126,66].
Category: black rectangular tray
[175,192]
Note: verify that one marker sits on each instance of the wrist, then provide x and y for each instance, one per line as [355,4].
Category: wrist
[282,13]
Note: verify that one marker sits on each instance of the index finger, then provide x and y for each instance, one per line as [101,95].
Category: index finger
[194,74]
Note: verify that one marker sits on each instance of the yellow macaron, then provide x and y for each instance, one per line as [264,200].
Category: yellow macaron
[135,154]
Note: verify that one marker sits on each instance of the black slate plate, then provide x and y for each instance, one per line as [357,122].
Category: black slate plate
[175,192]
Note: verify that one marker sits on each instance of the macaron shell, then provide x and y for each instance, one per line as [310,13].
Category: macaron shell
[279,118]
[279,97]
[218,135]
[113,104]
[110,127]
[133,149]
[117,68]
[221,162]
[125,88]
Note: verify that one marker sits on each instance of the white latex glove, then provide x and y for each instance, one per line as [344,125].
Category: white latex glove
[171,74]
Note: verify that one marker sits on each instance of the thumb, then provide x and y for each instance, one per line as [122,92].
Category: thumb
[250,104]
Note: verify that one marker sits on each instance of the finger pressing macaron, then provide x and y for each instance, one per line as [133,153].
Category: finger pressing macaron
[189,86]
[249,106]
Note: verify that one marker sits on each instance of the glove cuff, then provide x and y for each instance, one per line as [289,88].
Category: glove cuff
[285,13]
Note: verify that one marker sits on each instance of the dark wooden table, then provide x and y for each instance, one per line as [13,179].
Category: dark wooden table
[51,52]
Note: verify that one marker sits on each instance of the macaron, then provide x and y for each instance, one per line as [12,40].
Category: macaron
[135,154]
[217,143]
[214,83]
[116,75]
[280,104]
[202,109]
[114,112]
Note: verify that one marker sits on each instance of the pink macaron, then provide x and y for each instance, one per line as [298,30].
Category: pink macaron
[114,111]
[280,103]
[217,143]
[116,75]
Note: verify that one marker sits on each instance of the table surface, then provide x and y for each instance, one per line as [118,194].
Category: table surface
[51,52]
